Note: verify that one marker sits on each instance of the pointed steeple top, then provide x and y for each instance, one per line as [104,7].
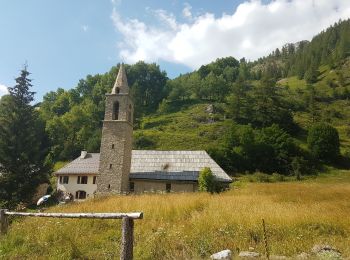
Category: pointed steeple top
[121,83]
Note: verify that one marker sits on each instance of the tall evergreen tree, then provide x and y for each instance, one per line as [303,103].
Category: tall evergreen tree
[23,145]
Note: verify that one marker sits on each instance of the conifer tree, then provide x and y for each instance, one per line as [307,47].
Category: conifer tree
[22,144]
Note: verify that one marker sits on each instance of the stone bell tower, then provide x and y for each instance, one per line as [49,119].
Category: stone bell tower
[116,142]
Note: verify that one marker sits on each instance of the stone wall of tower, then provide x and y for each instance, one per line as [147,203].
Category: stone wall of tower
[125,107]
[116,141]
[115,157]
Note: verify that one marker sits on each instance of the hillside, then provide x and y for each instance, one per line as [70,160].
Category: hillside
[193,226]
[188,124]
[214,107]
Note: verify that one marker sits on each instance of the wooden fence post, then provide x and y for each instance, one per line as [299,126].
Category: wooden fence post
[3,222]
[127,243]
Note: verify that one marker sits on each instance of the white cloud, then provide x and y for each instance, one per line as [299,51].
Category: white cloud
[252,30]
[85,28]
[186,12]
[3,90]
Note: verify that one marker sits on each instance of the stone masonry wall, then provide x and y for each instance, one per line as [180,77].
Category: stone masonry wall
[125,106]
[115,157]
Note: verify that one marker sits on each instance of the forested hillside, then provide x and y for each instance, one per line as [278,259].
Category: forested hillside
[274,114]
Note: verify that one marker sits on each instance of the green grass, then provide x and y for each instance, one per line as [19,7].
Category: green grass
[191,128]
[293,83]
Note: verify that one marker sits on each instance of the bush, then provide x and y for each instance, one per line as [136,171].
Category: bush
[262,177]
[323,142]
[143,142]
[206,181]
[276,177]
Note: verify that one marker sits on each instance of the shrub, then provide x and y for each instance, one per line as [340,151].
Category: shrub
[206,181]
[279,147]
[262,177]
[323,142]
[143,142]
[276,177]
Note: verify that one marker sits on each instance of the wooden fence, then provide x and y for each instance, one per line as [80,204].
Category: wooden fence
[127,242]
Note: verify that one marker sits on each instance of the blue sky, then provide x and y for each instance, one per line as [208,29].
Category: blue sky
[63,41]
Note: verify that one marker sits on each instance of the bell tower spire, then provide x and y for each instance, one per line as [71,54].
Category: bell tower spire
[116,141]
[121,83]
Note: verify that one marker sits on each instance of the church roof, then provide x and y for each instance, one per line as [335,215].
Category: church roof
[155,165]
[121,83]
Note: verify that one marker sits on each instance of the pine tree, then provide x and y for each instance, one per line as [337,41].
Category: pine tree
[237,99]
[23,145]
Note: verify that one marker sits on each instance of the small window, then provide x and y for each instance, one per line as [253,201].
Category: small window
[168,187]
[117,90]
[110,166]
[112,146]
[132,186]
[80,195]
[82,179]
[109,186]
[94,180]
[64,179]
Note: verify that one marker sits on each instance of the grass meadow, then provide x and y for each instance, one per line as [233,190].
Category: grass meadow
[195,225]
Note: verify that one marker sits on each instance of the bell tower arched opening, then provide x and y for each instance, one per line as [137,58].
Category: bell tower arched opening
[115,113]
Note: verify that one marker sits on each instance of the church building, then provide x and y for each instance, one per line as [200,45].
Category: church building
[120,170]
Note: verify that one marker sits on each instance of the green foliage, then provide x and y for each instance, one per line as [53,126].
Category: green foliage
[74,118]
[323,142]
[206,181]
[269,150]
[148,87]
[297,165]
[265,178]
[261,108]
[23,145]
[143,142]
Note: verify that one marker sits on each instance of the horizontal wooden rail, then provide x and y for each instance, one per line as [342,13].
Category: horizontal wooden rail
[127,240]
[131,215]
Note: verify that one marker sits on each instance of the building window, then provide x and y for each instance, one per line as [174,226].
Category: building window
[80,195]
[168,187]
[112,146]
[131,186]
[115,112]
[110,166]
[94,180]
[82,179]
[117,90]
[64,179]
[109,186]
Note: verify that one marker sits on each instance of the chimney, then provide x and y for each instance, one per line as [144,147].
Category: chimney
[83,154]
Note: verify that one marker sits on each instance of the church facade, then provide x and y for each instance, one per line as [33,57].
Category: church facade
[120,170]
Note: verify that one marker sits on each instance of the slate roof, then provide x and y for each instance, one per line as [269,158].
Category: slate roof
[155,165]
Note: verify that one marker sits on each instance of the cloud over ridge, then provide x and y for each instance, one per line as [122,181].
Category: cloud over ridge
[253,30]
[3,90]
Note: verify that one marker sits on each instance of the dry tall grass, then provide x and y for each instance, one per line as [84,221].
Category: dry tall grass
[191,226]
